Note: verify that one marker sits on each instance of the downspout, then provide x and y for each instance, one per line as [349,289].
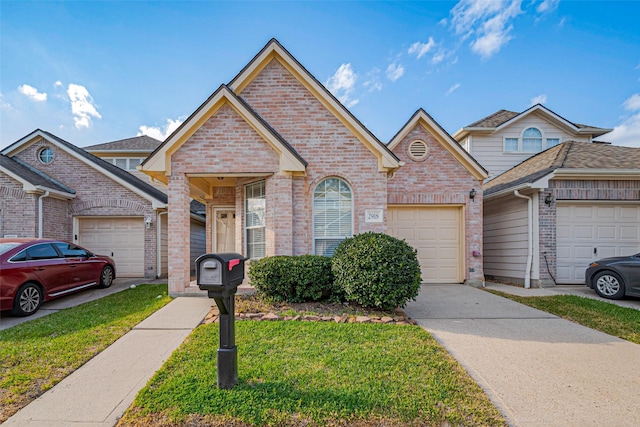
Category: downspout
[159,244]
[527,273]
[40,222]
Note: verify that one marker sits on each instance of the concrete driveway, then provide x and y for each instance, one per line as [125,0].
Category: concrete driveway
[538,369]
[7,321]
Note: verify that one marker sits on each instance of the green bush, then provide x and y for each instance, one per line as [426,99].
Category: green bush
[376,270]
[292,278]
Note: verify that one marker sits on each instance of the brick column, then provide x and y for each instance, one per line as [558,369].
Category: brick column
[179,234]
[279,220]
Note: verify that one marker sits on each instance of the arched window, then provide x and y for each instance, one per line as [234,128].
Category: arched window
[332,215]
[531,140]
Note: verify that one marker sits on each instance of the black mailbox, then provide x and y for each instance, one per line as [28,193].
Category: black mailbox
[220,275]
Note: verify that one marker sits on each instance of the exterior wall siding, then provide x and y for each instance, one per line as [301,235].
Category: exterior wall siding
[505,239]
[197,243]
[440,180]
[489,149]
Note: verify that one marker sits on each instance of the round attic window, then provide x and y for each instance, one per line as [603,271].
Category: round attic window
[45,155]
[418,150]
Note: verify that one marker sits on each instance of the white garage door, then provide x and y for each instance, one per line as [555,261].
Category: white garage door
[436,232]
[120,238]
[586,233]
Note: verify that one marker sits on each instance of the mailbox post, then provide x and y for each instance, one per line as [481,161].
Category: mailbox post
[220,275]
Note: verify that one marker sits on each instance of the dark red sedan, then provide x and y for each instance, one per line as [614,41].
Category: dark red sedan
[36,270]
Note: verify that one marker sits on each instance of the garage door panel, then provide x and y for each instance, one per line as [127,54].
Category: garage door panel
[435,233]
[587,233]
[122,238]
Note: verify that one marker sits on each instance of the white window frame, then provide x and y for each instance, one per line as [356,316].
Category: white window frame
[520,139]
[247,228]
[313,217]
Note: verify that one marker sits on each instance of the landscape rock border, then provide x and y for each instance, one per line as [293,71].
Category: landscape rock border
[399,319]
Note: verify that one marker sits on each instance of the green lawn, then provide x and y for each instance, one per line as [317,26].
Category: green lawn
[315,374]
[36,355]
[603,316]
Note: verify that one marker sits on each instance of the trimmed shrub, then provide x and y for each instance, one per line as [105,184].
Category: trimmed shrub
[292,278]
[376,270]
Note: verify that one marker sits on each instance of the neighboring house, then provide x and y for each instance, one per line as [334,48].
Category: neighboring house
[51,188]
[285,169]
[547,218]
[127,154]
[506,138]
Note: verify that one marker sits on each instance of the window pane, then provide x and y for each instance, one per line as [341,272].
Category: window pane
[552,142]
[133,163]
[255,210]
[531,133]
[531,145]
[121,163]
[70,251]
[43,251]
[510,145]
[326,247]
[332,214]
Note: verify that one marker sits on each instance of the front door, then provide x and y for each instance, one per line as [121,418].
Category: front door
[224,231]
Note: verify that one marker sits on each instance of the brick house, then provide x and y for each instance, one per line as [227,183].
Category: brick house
[51,188]
[548,218]
[284,168]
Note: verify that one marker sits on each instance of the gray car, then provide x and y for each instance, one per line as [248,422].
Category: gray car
[615,277]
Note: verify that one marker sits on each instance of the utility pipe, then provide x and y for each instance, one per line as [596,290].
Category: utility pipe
[40,222]
[527,273]
[159,244]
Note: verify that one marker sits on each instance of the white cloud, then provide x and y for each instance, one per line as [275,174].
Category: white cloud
[420,49]
[452,89]
[487,21]
[540,99]
[342,85]
[57,84]
[82,106]
[158,132]
[633,103]
[32,93]
[395,71]
[4,105]
[627,133]
[547,6]
[373,80]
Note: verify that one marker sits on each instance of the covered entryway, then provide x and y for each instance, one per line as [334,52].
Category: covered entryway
[587,232]
[437,234]
[121,238]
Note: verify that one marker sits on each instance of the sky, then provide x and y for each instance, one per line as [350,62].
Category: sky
[99,71]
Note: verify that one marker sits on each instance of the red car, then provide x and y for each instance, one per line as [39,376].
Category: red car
[36,270]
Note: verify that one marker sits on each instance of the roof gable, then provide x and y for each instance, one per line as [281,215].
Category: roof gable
[158,164]
[122,177]
[421,118]
[137,144]
[33,180]
[504,118]
[274,50]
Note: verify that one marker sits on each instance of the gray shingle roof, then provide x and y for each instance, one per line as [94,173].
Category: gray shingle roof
[568,155]
[494,120]
[137,143]
[32,175]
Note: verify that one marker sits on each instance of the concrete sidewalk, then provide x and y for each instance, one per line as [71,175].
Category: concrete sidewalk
[100,391]
[538,369]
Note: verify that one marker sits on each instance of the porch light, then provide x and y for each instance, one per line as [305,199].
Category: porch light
[548,200]
[147,221]
[472,194]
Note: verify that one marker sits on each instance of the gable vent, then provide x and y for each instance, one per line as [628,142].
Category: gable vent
[418,150]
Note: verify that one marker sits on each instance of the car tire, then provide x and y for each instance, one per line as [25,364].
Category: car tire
[27,300]
[608,284]
[106,277]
